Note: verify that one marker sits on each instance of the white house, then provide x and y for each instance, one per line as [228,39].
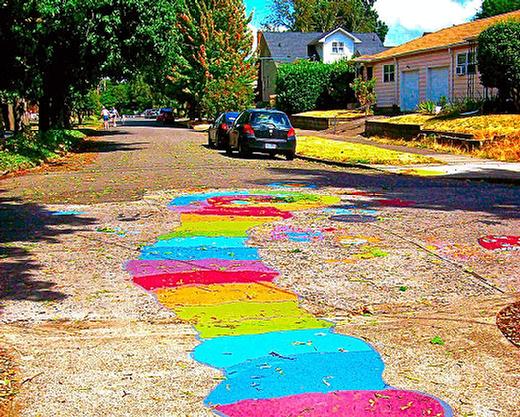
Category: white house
[276,48]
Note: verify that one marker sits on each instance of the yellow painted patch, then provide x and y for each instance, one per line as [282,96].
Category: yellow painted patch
[231,226]
[223,293]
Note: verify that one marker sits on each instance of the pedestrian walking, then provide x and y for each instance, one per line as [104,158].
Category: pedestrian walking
[114,115]
[105,114]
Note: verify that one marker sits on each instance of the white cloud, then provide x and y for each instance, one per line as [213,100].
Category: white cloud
[426,15]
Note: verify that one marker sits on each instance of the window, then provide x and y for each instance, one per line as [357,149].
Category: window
[388,73]
[467,63]
[338,47]
[370,73]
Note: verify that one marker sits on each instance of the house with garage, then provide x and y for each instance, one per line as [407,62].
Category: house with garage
[436,65]
[275,48]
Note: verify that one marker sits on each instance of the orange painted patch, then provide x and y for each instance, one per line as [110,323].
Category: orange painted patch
[223,293]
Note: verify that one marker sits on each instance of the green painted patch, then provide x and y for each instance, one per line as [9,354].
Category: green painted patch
[225,227]
[249,318]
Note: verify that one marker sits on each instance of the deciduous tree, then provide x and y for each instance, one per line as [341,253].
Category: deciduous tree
[325,15]
[216,71]
[499,60]
[494,7]
[59,48]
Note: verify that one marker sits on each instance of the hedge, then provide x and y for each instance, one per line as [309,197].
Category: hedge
[306,85]
[499,60]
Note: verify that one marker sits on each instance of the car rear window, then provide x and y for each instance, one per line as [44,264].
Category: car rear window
[231,117]
[268,118]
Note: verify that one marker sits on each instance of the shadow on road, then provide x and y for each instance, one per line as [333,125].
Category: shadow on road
[23,227]
[502,200]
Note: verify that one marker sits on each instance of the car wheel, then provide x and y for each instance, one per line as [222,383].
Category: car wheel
[290,155]
[243,150]
[210,143]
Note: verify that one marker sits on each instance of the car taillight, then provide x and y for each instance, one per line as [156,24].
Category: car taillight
[291,132]
[224,126]
[248,130]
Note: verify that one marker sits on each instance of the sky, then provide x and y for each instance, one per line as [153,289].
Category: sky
[407,19]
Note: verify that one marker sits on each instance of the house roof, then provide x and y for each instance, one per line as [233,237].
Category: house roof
[325,35]
[444,38]
[290,46]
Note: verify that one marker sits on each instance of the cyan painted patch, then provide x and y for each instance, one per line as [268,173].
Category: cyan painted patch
[190,254]
[272,377]
[224,352]
[188,200]
[200,241]
[67,213]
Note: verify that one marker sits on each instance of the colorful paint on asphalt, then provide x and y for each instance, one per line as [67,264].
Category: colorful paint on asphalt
[277,358]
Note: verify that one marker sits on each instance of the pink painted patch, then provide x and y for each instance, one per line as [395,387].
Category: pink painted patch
[227,206]
[396,203]
[152,275]
[500,242]
[388,403]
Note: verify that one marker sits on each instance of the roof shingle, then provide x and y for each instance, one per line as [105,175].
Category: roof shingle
[443,38]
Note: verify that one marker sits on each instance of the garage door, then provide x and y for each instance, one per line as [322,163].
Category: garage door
[409,90]
[437,84]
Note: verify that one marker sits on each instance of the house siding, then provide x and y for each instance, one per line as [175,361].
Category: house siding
[388,94]
[328,56]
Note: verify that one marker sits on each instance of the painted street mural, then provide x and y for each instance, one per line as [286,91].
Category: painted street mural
[277,358]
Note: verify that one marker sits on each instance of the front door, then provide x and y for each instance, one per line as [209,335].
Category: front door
[409,90]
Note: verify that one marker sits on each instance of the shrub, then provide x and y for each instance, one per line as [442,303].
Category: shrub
[499,60]
[462,105]
[427,107]
[306,85]
[364,92]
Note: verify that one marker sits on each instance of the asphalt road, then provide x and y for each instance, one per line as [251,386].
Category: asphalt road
[126,162]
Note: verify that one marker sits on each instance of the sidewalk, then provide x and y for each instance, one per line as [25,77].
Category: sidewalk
[453,166]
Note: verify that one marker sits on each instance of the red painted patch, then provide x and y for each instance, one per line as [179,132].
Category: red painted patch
[500,242]
[242,211]
[388,403]
[396,203]
[154,282]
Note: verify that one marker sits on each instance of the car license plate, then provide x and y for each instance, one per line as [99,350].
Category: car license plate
[270,146]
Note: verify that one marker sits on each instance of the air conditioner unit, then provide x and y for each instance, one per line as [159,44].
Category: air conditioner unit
[461,69]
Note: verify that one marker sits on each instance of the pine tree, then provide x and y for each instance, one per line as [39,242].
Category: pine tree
[217,71]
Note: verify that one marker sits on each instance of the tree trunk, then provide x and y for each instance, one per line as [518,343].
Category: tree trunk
[44,122]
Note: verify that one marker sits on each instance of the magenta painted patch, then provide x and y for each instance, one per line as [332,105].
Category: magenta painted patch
[236,205]
[146,268]
[500,242]
[388,403]
[152,275]
[396,203]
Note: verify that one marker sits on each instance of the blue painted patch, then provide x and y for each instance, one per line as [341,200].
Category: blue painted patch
[272,377]
[354,218]
[287,184]
[350,212]
[67,213]
[187,200]
[196,253]
[303,236]
[224,352]
[200,241]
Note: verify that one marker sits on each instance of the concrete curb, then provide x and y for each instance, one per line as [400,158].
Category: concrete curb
[511,181]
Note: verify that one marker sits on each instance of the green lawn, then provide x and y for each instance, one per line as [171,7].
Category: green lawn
[316,147]
[28,151]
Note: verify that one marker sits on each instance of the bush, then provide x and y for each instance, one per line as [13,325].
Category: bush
[427,107]
[306,85]
[462,105]
[499,61]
